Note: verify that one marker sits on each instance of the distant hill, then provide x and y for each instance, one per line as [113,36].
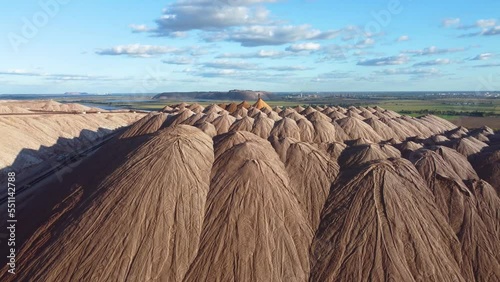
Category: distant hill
[215,95]
[76,93]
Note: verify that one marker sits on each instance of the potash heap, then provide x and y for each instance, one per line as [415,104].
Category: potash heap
[253,193]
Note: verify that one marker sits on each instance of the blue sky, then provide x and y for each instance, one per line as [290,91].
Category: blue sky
[149,46]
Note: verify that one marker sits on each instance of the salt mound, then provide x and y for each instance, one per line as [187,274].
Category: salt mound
[361,154]
[455,202]
[208,117]
[354,114]
[223,123]
[333,149]
[328,110]
[324,131]
[208,128]
[458,132]
[314,116]
[488,207]
[244,104]
[380,223]
[6,109]
[295,116]
[231,108]
[438,139]
[167,109]
[260,104]
[266,110]
[359,141]
[286,127]
[224,142]
[274,116]
[149,211]
[340,135]
[281,145]
[367,114]
[196,108]
[457,162]
[193,119]
[243,124]
[408,147]
[384,131]
[286,112]
[341,109]
[262,126]
[307,131]
[30,140]
[243,112]
[179,118]
[419,127]
[437,121]
[353,109]
[311,175]
[485,130]
[253,223]
[391,114]
[299,109]
[136,128]
[212,108]
[153,124]
[253,111]
[336,115]
[308,110]
[400,131]
[468,146]
[356,128]
[481,137]
[487,166]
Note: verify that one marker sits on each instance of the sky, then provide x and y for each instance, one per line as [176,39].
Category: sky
[151,46]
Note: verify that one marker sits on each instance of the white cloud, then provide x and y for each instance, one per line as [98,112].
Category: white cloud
[409,71]
[451,22]
[261,54]
[365,42]
[179,61]
[331,76]
[482,23]
[435,62]
[384,61]
[187,15]
[289,68]
[20,72]
[56,77]
[261,35]
[138,50]
[224,64]
[140,28]
[492,31]
[310,46]
[216,73]
[488,65]
[403,38]
[433,50]
[483,57]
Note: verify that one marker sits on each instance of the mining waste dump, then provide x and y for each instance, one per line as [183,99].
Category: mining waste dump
[247,192]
